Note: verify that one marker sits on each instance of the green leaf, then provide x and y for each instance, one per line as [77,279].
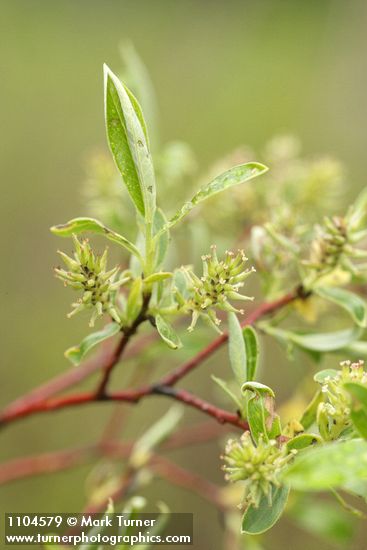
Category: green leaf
[155,435]
[302,441]
[77,353]
[167,333]
[352,303]
[358,488]
[328,466]
[237,350]
[156,277]
[328,341]
[276,427]
[258,388]
[80,225]
[234,176]
[258,520]
[134,300]
[133,509]
[356,349]
[323,519]
[260,411]
[359,391]
[359,419]
[126,133]
[321,376]
[256,417]
[118,142]
[317,342]
[358,414]
[225,387]
[310,413]
[252,352]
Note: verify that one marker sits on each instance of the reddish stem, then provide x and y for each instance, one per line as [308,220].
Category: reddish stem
[27,406]
[73,377]
[128,396]
[56,461]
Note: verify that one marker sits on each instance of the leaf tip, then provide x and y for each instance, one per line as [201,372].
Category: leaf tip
[56,229]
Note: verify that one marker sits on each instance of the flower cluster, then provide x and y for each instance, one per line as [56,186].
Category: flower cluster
[86,271]
[333,415]
[220,282]
[258,466]
[334,247]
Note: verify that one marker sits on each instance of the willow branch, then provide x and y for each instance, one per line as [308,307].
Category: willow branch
[72,377]
[57,461]
[127,396]
[26,407]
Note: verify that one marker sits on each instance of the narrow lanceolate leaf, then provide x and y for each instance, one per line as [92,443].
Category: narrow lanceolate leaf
[258,520]
[81,225]
[234,176]
[237,350]
[260,411]
[317,342]
[156,277]
[352,303]
[258,388]
[77,353]
[167,333]
[256,417]
[329,466]
[155,435]
[302,441]
[252,352]
[225,387]
[127,137]
[310,414]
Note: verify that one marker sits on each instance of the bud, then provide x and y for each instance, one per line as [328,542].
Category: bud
[333,415]
[86,272]
[258,466]
[220,282]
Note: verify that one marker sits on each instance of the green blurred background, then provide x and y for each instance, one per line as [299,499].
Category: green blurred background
[225,73]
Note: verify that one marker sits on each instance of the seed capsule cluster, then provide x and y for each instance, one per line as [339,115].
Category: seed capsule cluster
[257,466]
[86,272]
[334,246]
[220,282]
[333,413]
